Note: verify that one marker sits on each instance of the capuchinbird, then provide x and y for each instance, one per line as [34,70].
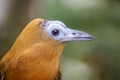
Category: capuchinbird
[36,52]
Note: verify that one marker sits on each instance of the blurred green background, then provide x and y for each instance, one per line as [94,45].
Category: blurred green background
[84,60]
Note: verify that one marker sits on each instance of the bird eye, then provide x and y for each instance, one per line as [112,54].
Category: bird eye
[55,32]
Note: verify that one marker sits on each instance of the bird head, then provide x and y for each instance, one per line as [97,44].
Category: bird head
[49,32]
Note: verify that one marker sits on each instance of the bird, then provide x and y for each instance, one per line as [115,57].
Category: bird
[36,53]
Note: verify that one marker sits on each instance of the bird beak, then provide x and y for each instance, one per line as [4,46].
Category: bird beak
[76,35]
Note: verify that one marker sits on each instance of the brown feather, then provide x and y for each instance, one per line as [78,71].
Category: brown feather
[34,55]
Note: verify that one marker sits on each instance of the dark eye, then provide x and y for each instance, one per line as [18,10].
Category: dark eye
[55,32]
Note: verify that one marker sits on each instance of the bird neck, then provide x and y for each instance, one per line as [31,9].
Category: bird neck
[51,50]
[40,58]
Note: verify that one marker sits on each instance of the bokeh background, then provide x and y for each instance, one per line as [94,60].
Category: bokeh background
[84,60]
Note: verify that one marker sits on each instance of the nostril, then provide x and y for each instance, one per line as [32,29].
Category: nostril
[74,33]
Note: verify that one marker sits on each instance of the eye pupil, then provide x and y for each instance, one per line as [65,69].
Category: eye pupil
[55,32]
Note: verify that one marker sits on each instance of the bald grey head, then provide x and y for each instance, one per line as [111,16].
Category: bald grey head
[58,31]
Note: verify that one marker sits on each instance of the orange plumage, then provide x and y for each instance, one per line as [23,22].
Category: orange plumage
[35,54]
